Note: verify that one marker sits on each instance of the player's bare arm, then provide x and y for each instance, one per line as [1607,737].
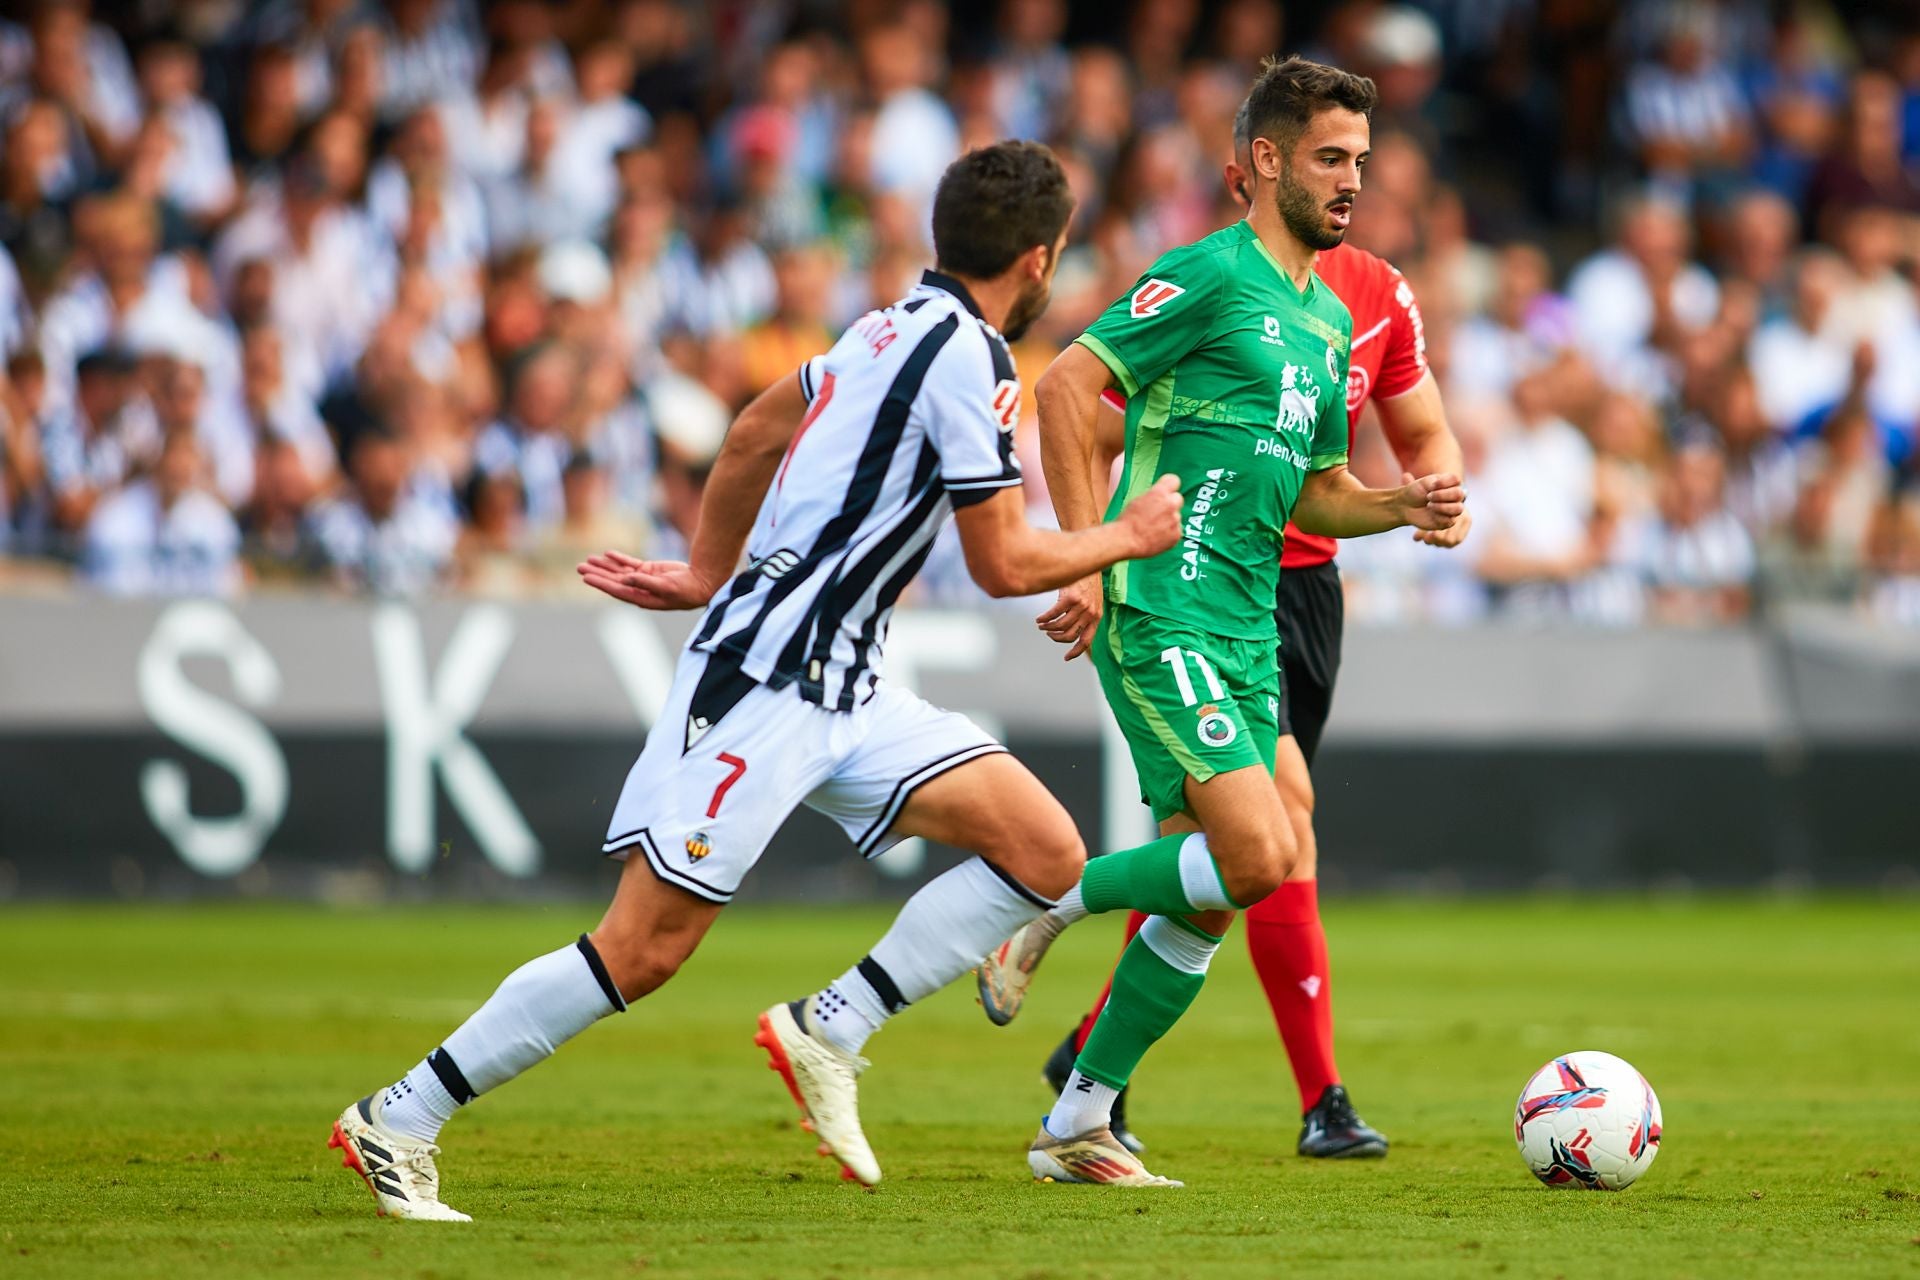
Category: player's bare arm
[1333,502]
[1416,428]
[1068,400]
[748,460]
[1009,557]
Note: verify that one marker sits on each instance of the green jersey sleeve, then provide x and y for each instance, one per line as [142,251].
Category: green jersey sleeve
[1166,314]
[1330,430]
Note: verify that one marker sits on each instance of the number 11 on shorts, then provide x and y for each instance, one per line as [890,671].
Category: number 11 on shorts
[1178,658]
[735,767]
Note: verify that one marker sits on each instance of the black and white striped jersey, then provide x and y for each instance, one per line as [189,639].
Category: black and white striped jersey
[909,415]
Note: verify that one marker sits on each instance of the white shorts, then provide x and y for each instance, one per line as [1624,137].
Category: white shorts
[729,759]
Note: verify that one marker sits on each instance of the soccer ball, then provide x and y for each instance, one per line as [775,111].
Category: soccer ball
[1587,1120]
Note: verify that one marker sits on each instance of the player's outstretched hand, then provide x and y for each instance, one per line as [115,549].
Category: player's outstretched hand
[1075,616]
[1446,538]
[1433,502]
[651,584]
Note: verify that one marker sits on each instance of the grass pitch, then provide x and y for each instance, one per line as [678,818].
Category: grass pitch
[168,1077]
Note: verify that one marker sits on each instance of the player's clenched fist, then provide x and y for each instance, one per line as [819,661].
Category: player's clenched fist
[1432,502]
[1154,517]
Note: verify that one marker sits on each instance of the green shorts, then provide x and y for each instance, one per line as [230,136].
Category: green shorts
[1190,704]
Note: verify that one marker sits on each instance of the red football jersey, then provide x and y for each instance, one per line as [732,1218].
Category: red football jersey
[1389,356]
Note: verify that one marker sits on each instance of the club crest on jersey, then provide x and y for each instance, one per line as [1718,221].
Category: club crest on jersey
[1333,365]
[1006,402]
[1151,296]
[1216,730]
[698,846]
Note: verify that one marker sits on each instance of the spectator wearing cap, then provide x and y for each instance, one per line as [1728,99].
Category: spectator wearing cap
[85,450]
[689,424]
[198,175]
[1400,49]
[374,537]
[490,557]
[785,210]
[164,535]
[578,284]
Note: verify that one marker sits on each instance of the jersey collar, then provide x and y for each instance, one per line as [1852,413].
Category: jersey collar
[1305,294]
[940,280]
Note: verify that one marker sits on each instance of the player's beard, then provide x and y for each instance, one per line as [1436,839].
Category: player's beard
[1304,214]
[1026,308]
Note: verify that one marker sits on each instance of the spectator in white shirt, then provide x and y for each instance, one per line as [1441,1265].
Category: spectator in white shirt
[85,453]
[1525,328]
[914,134]
[1633,302]
[602,123]
[1536,503]
[332,280]
[165,535]
[1805,362]
[199,172]
[376,537]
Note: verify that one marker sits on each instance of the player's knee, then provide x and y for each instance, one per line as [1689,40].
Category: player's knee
[1258,865]
[1049,860]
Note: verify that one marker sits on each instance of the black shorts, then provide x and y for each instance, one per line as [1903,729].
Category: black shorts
[1311,615]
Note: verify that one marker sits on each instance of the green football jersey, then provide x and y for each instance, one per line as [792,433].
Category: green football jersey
[1235,382]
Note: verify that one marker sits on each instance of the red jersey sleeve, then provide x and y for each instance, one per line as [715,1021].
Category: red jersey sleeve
[1404,362]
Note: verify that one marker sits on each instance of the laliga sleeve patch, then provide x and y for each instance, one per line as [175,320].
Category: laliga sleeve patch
[1006,402]
[1151,296]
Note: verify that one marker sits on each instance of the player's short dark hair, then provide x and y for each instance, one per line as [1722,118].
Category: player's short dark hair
[994,204]
[1289,93]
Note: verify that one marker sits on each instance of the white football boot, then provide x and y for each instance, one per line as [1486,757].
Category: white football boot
[821,1077]
[1090,1157]
[1007,971]
[399,1171]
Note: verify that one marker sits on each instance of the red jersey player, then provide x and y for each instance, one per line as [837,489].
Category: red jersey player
[1289,947]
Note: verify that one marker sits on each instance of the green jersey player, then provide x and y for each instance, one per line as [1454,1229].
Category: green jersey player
[1233,357]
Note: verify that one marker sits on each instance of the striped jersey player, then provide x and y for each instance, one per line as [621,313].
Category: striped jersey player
[835,482]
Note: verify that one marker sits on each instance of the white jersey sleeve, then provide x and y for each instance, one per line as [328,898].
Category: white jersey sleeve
[971,405]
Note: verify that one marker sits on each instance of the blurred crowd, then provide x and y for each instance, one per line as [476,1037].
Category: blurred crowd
[435,295]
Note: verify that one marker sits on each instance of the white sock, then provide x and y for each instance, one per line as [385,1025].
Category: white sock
[1084,1105]
[1181,947]
[417,1104]
[1070,909]
[541,1005]
[940,933]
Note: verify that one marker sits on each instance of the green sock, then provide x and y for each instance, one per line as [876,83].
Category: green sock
[1149,995]
[1173,876]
